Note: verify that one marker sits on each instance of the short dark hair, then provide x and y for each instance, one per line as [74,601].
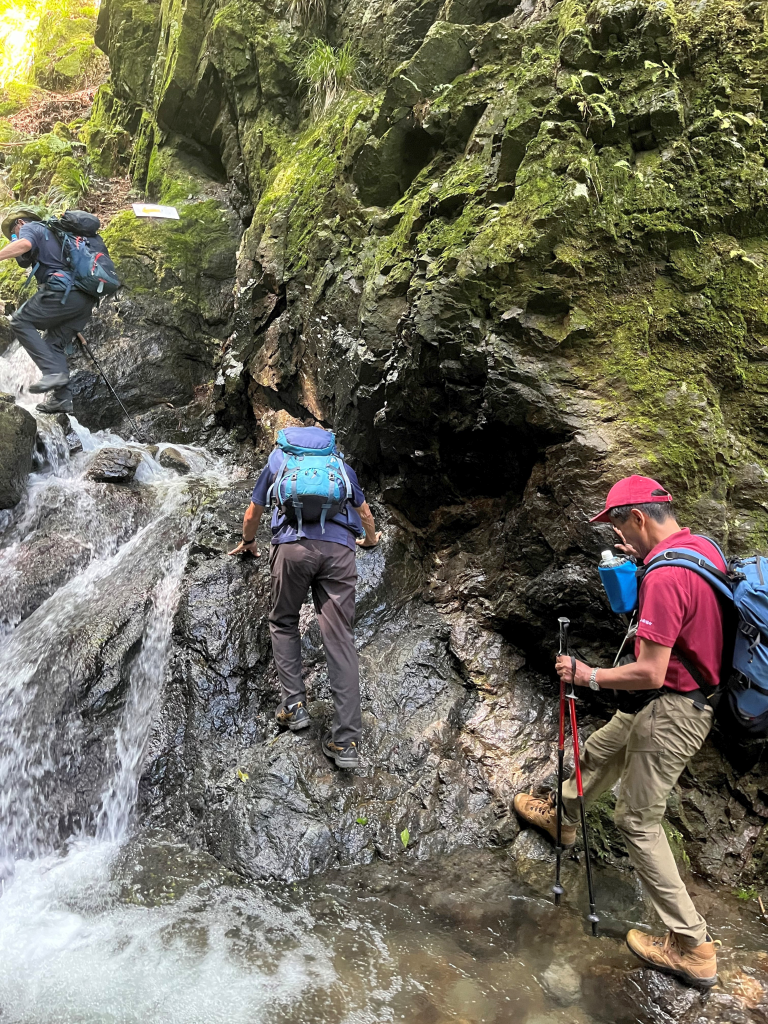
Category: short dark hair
[659,511]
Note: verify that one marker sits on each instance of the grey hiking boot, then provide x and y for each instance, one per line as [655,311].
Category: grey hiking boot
[50,382]
[345,756]
[295,716]
[53,404]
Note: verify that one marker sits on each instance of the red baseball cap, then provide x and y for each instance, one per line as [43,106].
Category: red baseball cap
[632,490]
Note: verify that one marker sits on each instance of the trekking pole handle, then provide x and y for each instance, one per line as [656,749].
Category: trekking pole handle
[564,624]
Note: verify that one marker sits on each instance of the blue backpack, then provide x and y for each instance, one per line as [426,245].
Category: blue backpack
[311,485]
[743,589]
[90,268]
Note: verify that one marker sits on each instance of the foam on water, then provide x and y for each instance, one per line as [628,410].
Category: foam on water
[72,953]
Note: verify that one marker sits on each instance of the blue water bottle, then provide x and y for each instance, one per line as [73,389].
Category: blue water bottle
[618,575]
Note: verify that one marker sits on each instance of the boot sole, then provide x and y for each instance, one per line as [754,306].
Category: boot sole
[341,762]
[687,979]
[300,725]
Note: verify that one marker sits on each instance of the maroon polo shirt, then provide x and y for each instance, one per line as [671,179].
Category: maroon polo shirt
[678,608]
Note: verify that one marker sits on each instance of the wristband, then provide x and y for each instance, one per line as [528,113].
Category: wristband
[593,683]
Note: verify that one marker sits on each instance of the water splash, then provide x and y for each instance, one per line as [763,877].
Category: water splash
[48,659]
[146,682]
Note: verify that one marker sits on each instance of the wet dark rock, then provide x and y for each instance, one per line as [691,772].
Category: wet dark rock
[172,458]
[114,465]
[650,997]
[73,442]
[17,444]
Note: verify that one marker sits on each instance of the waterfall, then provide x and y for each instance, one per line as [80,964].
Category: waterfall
[146,682]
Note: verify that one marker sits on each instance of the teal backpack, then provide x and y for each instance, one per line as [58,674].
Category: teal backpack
[311,484]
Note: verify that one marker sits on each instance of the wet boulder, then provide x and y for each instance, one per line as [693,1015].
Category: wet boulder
[17,443]
[172,458]
[562,983]
[114,465]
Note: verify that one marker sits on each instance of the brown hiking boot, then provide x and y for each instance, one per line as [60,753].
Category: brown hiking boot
[542,812]
[695,965]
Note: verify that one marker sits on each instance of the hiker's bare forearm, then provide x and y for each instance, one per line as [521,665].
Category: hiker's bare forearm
[647,673]
[251,521]
[369,525]
[15,249]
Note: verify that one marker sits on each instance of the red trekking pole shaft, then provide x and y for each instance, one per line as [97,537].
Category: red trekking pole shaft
[557,888]
[571,697]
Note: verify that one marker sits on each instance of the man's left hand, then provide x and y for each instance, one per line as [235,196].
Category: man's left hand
[563,668]
[245,549]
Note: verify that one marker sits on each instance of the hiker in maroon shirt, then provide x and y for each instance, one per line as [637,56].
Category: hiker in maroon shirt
[680,632]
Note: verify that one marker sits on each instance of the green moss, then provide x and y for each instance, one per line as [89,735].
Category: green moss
[14,96]
[14,287]
[300,191]
[107,133]
[171,178]
[34,168]
[605,840]
[66,58]
[677,845]
[173,256]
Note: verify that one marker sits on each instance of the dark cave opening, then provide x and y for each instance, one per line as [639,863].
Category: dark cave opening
[494,461]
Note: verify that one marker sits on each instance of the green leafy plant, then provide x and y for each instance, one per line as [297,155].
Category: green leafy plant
[361,821]
[328,73]
[589,106]
[405,836]
[662,70]
[308,13]
[745,893]
[74,179]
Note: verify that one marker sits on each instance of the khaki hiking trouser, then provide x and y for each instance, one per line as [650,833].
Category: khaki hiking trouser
[647,751]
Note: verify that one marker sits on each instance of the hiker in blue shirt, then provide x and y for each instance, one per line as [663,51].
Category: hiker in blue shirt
[33,245]
[316,529]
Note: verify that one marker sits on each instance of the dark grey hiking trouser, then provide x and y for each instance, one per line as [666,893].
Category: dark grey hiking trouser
[44,311]
[329,569]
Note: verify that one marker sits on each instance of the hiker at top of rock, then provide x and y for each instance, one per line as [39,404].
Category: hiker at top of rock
[666,719]
[60,307]
[319,519]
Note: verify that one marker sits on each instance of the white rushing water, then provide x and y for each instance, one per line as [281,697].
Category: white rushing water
[71,948]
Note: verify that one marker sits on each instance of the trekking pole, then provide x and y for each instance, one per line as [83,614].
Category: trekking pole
[139,433]
[571,698]
[557,888]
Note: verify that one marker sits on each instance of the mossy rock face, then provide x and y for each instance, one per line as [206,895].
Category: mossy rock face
[54,159]
[181,256]
[65,57]
[107,133]
[128,31]
[159,338]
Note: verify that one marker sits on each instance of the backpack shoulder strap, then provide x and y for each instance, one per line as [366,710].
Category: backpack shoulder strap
[715,545]
[273,491]
[685,558]
[721,583]
[708,690]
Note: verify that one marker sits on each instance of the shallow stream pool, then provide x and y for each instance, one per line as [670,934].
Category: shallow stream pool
[153,934]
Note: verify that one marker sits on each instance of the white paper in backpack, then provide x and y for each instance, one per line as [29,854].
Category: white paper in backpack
[153,210]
